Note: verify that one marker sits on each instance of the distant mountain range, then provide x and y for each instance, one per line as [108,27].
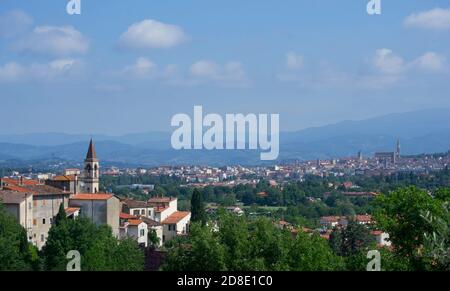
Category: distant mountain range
[425,131]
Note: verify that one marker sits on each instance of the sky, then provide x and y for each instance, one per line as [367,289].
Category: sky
[129,66]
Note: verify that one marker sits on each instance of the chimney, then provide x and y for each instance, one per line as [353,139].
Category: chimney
[21,181]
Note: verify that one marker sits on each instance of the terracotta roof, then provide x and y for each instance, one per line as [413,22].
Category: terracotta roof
[176,217]
[135,222]
[64,178]
[127,216]
[71,210]
[363,218]
[92,196]
[26,182]
[91,154]
[16,188]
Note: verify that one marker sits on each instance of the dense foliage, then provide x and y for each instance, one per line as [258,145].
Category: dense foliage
[99,249]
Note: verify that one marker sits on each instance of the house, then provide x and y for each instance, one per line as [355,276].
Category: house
[176,224]
[46,203]
[19,205]
[332,221]
[99,208]
[133,227]
[138,208]
[155,226]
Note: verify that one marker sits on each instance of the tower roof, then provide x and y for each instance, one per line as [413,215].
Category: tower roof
[91,154]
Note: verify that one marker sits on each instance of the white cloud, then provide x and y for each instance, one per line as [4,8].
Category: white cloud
[437,18]
[14,22]
[53,40]
[431,61]
[142,68]
[51,71]
[294,61]
[386,62]
[228,74]
[149,34]
[384,69]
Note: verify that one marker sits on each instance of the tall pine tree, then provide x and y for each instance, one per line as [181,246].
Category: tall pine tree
[198,207]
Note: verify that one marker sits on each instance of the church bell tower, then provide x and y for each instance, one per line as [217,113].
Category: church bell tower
[91,171]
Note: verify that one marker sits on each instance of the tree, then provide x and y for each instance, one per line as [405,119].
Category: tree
[153,238]
[336,241]
[197,207]
[355,238]
[401,214]
[99,249]
[312,253]
[16,254]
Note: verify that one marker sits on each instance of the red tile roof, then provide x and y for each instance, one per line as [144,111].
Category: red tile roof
[135,222]
[92,196]
[127,216]
[176,217]
[64,178]
[16,188]
[71,210]
[363,218]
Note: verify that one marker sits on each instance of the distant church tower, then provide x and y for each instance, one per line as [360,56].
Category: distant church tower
[91,171]
[397,150]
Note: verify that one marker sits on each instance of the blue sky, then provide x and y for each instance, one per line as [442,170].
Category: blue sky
[129,66]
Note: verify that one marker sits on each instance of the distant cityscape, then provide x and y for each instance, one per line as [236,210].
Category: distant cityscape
[381,163]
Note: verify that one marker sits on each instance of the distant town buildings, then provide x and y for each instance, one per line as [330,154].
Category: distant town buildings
[35,203]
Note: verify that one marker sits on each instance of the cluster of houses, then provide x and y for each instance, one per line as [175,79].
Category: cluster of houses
[328,223]
[35,204]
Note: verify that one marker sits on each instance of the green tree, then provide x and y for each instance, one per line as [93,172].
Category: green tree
[197,207]
[99,249]
[312,253]
[16,254]
[401,214]
[355,238]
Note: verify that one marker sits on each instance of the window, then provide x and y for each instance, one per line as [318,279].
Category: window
[42,238]
[43,220]
[172,227]
[34,222]
[143,211]
[135,212]
[142,232]
[29,205]
[51,220]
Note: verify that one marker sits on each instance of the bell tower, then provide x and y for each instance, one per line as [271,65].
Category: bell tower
[91,171]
